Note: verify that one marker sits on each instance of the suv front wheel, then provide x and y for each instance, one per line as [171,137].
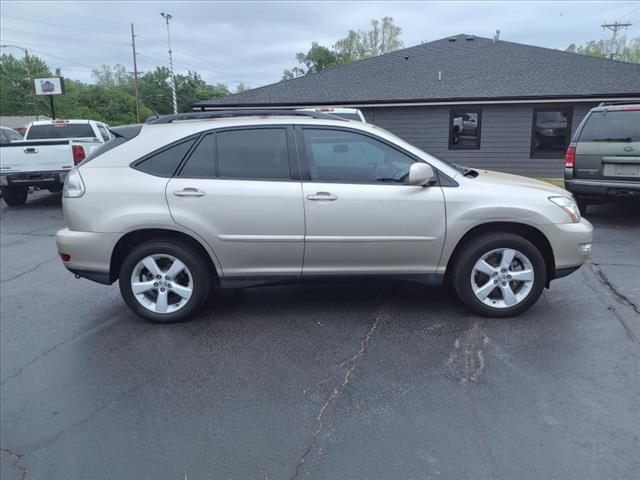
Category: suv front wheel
[164,282]
[499,275]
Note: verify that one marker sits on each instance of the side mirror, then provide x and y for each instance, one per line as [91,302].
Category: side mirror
[420,174]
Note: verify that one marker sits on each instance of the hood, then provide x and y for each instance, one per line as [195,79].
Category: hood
[491,179]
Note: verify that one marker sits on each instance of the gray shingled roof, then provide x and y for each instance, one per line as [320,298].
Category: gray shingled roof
[473,68]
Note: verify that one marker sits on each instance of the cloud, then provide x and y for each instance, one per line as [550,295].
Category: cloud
[252,42]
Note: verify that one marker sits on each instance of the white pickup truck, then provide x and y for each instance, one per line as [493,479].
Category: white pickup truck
[49,150]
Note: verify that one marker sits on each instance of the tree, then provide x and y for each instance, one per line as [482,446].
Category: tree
[241,87]
[383,37]
[602,48]
[110,99]
[112,76]
[15,86]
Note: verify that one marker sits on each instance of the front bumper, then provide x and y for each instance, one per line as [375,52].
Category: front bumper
[46,180]
[568,241]
[89,252]
[603,188]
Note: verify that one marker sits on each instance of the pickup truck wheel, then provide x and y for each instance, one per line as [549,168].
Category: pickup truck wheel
[499,275]
[15,196]
[164,282]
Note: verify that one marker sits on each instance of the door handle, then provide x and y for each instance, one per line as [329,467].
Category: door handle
[322,197]
[30,150]
[189,192]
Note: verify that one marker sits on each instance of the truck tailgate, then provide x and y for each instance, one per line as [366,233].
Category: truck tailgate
[36,156]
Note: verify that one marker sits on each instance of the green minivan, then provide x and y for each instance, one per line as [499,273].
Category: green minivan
[602,162]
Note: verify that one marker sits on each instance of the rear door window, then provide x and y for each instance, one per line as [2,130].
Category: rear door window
[253,154]
[612,126]
[201,162]
[75,130]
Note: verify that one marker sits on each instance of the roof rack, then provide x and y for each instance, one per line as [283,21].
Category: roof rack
[239,113]
[628,102]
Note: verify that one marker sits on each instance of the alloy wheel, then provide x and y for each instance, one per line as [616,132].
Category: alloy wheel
[161,283]
[502,278]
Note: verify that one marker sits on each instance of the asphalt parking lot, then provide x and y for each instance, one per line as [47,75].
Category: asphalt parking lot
[382,380]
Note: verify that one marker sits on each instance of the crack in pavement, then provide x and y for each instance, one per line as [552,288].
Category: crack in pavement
[59,344]
[28,271]
[351,362]
[622,298]
[16,465]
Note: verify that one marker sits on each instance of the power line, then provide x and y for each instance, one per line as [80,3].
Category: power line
[75,27]
[83,40]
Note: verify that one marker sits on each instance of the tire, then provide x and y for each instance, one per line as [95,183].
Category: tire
[196,276]
[15,196]
[498,302]
[582,205]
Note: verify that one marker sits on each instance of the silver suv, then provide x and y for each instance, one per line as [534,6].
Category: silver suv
[236,199]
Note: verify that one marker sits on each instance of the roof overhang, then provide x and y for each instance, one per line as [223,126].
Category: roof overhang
[421,103]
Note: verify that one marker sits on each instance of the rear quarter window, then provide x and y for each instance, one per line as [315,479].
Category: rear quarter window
[611,126]
[165,162]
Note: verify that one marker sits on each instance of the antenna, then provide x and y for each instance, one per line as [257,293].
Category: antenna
[496,36]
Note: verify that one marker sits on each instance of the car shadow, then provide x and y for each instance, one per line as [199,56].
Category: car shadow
[615,215]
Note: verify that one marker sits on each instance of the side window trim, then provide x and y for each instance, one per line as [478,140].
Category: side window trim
[302,149]
[199,139]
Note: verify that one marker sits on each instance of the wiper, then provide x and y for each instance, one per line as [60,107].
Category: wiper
[621,139]
[470,172]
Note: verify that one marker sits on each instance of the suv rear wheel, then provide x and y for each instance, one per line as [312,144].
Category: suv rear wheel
[15,196]
[499,275]
[164,282]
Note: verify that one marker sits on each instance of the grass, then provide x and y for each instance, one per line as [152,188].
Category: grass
[559,182]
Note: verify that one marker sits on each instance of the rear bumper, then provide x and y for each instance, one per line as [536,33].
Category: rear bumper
[603,188]
[48,179]
[89,252]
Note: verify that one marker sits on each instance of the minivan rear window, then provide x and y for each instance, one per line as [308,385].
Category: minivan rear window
[69,130]
[612,126]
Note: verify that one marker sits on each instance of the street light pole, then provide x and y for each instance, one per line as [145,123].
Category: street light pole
[174,99]
[30,73]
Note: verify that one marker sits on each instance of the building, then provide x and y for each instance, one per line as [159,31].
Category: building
[20,123]
[471,100]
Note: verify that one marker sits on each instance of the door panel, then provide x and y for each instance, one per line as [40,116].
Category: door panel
[372,229]
[254,227]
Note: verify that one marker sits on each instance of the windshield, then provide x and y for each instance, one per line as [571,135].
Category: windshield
[616,126]
[76,130]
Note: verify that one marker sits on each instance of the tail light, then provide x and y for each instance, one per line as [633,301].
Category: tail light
[65,257]
[570,157]
[78,154]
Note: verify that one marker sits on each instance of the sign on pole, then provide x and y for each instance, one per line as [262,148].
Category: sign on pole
[50,87]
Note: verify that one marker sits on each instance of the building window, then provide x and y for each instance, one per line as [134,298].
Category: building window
[464,129]
[551,131]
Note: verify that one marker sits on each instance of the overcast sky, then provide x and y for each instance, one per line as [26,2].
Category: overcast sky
[252,42]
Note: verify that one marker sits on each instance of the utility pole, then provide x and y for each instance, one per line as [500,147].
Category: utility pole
[31,81]
[174,100]
[614,27]
[135,74]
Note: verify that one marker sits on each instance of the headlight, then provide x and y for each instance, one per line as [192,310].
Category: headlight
[73,185]
[569,206]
